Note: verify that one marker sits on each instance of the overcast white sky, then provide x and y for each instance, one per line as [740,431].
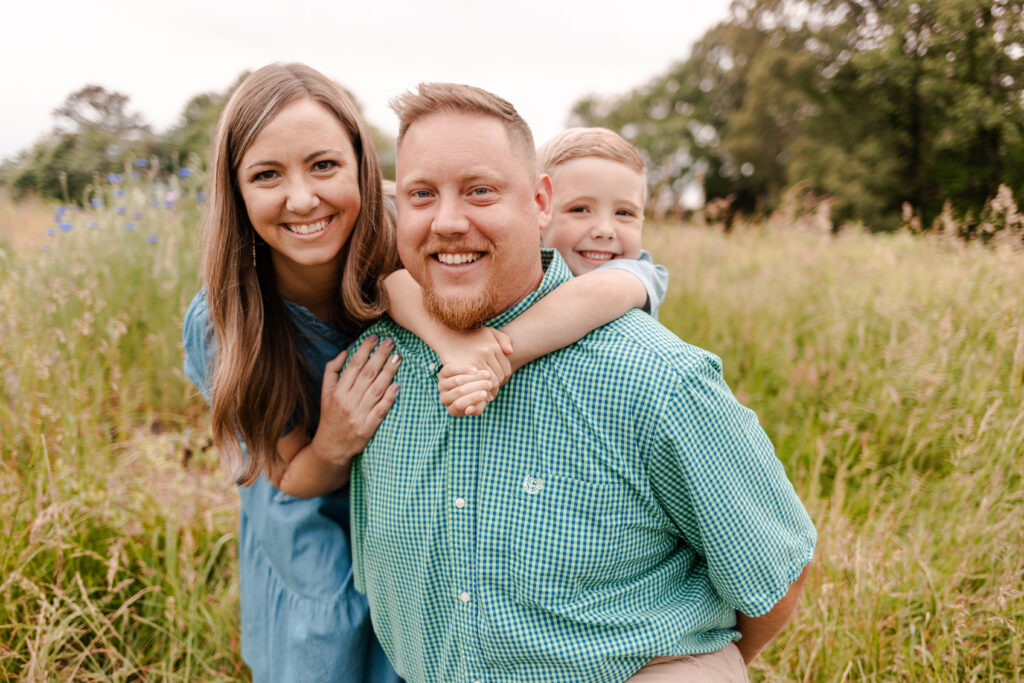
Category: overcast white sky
[542,56]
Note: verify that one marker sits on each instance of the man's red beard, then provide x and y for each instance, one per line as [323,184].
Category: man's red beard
[462,313]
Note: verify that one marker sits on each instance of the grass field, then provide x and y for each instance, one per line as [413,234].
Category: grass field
[887,369]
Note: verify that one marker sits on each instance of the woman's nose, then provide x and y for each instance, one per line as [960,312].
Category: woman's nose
[302,197]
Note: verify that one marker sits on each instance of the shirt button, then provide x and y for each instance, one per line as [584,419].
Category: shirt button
[431,366]
[464,596]
[460,503]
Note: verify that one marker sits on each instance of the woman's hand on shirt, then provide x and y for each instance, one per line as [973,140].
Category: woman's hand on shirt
[354,402]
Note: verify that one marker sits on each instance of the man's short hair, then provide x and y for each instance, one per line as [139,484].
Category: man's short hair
[455,98]
[579,143]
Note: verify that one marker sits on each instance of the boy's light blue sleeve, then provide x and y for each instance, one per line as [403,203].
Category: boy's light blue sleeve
[653,276]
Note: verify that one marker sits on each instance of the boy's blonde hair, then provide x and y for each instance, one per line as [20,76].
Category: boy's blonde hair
[435,98]
[578,143]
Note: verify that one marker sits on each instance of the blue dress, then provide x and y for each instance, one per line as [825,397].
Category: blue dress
[302,619]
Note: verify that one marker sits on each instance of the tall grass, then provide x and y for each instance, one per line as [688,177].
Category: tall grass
[888,370]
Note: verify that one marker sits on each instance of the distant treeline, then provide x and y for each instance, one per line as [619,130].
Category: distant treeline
[887,112]
[96,135]
[885,107]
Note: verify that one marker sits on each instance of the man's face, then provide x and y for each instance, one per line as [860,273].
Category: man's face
[470,209]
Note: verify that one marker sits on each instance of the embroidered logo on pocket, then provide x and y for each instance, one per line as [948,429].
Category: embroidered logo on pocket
[533,485]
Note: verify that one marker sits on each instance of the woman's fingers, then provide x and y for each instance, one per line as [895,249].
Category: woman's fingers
[359,360]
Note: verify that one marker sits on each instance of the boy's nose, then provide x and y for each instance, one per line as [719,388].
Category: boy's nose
[602,228]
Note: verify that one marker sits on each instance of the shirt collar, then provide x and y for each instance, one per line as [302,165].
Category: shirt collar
[555,273]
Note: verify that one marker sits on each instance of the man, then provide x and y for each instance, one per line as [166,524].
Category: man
[613,511]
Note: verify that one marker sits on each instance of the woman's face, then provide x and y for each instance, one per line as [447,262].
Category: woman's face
[300,184]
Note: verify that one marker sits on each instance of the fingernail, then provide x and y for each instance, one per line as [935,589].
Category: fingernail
[393,388]
[388,342]
[396,359]
[372,337]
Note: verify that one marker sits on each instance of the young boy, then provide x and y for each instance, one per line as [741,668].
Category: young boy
[600,188]
[599,183]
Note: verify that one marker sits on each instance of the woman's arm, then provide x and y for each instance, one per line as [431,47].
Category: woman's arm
[352,406]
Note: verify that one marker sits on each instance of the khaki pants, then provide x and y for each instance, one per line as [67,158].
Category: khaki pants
[724,666]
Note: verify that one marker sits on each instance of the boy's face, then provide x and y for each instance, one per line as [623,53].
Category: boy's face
[598,212]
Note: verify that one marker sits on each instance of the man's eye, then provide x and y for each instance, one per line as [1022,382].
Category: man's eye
[480,191]
[420,194]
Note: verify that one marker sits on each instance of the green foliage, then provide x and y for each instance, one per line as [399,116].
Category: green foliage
[873,104]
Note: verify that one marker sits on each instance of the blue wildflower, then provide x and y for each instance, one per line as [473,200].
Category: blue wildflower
[152,239]
[153,201]
[96,202]
[168,205]
[65,226]
[136,175]
[201,196]
[46,247]
[61,210]
[141,162]
[184,172]
[51,232]
[129,225]
[120,210]
[119,194]
[114,178]
[137,216]
[94,224]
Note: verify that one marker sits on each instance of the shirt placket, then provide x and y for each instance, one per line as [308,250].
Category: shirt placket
[462,498]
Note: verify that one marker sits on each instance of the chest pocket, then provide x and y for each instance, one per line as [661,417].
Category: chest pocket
[560,537]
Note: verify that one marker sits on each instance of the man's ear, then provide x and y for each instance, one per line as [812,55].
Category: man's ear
[543,198]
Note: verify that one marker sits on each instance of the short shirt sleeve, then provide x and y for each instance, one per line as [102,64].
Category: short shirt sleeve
[716,475]
[197,338]
[653,276]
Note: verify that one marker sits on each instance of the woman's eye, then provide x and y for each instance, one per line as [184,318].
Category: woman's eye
[324,165]
[264,176]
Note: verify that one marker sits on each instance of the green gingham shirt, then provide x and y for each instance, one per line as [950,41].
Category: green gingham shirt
[612,504]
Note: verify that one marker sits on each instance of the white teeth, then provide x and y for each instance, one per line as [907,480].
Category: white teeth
[596,255]
[451,259]
[308,228]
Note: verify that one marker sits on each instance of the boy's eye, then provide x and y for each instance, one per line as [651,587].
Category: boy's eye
[625,212]
[578,209]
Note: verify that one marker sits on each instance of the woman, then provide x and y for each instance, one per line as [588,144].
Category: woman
[296,246]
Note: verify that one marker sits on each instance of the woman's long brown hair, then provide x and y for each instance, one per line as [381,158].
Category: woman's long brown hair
[260,380]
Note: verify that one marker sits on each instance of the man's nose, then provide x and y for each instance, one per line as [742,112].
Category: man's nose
[450,219]
[302,197]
